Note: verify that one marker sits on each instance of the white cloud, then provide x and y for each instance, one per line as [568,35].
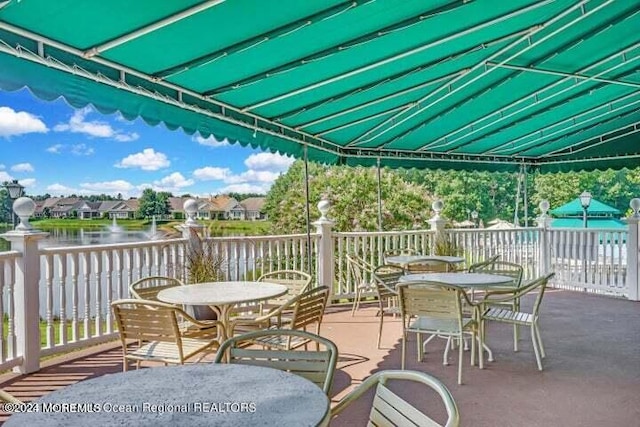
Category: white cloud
[148,160]
[245,188]
[55,149]
[116,186]
[19,123]
[209,142]
[5,176]
[22,167]
[252,176]
[172,183]
[94,128]
[81,150]
[61,190]
[211,173]
[269,161]
[28,182]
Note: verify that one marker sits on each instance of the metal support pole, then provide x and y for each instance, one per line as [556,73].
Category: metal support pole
[379,197]
[525,200]
[306,196]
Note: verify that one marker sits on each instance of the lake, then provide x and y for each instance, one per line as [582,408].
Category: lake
[80,236]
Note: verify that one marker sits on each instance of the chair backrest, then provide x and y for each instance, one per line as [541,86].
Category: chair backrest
[474,267]
[297,282]
[147,321]
[428,266]
[359,269]
[539,284]
[431,299]
[147,288]
[502,268]
[308,308]
[389,409]
[316,366]
[386,278]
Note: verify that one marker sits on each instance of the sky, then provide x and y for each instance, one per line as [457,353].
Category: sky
[50,147]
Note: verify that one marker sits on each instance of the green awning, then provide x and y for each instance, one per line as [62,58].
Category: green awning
[489,85]
[596,207]
[591,223]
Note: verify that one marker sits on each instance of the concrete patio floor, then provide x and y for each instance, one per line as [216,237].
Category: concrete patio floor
[591,376]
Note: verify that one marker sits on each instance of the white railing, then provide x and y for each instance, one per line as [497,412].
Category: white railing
[79,283]
[76,285]
[371,246]
[591,260]
[8,352]
[520,246]
[246,258]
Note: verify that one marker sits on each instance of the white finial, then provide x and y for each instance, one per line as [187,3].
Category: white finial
[323,207]
[190,207]
[544,207]
[635,206]
[437,207]
[24,207]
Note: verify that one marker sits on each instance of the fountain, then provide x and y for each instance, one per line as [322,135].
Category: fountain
[115,228]
[153,233]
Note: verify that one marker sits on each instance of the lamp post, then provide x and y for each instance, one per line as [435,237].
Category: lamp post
[585,201]
[15,191]
[474,216]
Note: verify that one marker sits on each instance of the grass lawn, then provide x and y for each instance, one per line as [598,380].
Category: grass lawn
[56,330]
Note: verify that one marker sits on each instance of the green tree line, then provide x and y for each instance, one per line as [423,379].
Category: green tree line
[407,195]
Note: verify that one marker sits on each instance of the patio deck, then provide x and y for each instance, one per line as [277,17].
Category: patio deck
[591,376]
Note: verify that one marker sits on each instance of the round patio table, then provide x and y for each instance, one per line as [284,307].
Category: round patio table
[403,260]
[465,280]
[189,395]
[222,296]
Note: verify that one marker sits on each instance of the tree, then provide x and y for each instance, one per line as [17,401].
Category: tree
[152,203]
[353,196]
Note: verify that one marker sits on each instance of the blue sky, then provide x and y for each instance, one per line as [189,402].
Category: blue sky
[53,148]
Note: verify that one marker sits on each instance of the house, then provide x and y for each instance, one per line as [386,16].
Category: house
[176,207]
[224,207]
[87,210]
[120,209]
[65,207]
[253,208]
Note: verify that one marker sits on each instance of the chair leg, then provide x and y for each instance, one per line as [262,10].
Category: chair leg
[539,339]
[480,350]
[356,302]
[473,348]
[404,348]
[535,346]
[380,328]
[419,345]
[427,341]
[445,356]
[460,354]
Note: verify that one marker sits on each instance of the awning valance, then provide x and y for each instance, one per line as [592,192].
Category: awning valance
[440,84]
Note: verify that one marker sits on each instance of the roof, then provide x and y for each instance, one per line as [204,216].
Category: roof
[253,203]
[574,207]
[459,84]
[591,223]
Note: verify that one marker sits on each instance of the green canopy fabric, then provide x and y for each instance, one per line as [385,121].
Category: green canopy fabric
[486,85]
[596,207]
[591,223]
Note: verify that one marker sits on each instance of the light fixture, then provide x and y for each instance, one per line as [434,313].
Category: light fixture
[585,201]
[15,191]
[14,188]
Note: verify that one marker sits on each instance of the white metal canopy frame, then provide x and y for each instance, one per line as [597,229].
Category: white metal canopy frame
[463,84]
